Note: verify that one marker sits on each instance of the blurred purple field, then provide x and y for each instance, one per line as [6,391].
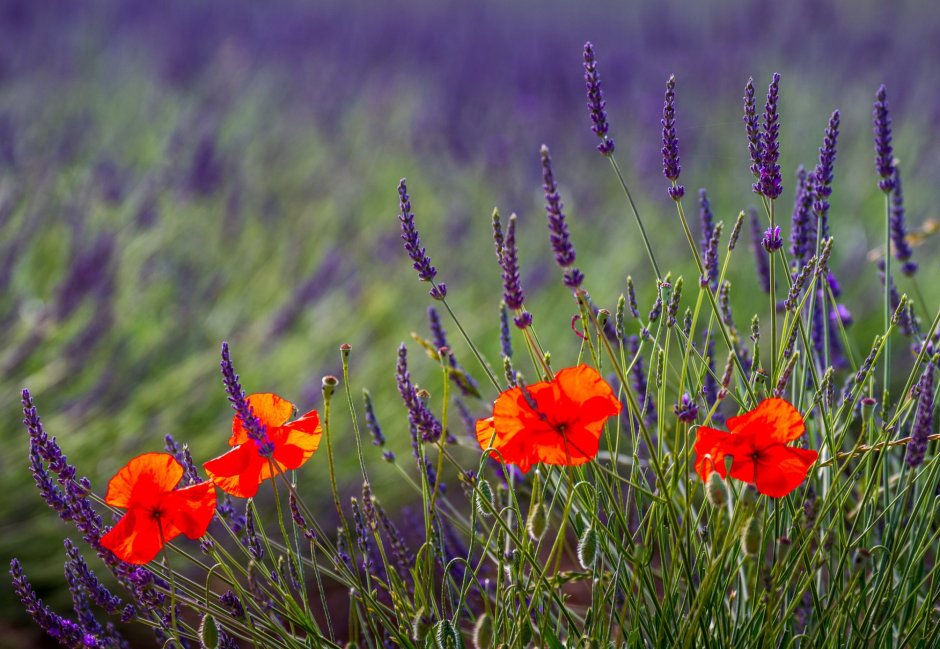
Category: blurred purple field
[175,173]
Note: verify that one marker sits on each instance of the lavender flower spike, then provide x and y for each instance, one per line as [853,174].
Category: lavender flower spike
[67,632]
[558,228]
[771,183]
[409,234]
[902,249]
[236,396]
[884,153]
[513,295]
[670,150]
[923,419]
[596,103]
[823,175]
[802,231]
[752,126]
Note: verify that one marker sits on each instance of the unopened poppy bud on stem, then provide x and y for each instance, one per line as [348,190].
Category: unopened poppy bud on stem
[537,522]
[587,548]
[329,385]
[716,491]
[751,538]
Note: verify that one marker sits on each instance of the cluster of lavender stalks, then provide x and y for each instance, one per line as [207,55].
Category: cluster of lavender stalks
[437,583]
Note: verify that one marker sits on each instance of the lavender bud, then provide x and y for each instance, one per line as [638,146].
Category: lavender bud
[736,231]
[884,152]
[824,173]
[631,298]
[513,295]
[803,229]
[772,241]
[798,283]
[752,128]
[781,386]
[498,236]
[686,409]
[596,103]
[710,261]
[505,339]
[372,423]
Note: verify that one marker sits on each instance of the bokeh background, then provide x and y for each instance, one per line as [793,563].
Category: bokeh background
[177,173]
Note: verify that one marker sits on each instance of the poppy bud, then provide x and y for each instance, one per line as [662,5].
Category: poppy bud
[446,637]
[208,633]
[603,315]
[420,626]
[329,385]
[537,522]
[751,538]
[715,491]
[483,632]
[587,548]
[483,498]
[749,496]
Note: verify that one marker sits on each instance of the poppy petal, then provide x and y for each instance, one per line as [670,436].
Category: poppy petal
[295,442]
[189,510]
[237,472]
[134,539]
[486,431]
[773,421]
[781,469]
[585,386]
[710,451]
[143,479]
[270,409]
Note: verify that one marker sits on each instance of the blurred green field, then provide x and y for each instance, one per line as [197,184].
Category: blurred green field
[144,221]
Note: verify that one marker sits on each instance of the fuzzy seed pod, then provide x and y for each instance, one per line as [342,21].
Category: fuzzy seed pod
[537,521]
[446,636]
[208,633]
[749,496]
[483,498]
[715,491]
[587,548]
[751,537]
[483,632]
[420,626]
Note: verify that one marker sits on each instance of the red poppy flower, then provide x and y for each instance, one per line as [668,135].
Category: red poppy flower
[758,445]
[241,470]
[156,512]
[564,427]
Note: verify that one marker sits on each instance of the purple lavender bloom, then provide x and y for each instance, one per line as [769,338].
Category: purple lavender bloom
[803,229]
[771,182]
[902,249]
[251,540]
[752,127]
[230,601]
[372,423]
[884,152]
[670,150]
[184,457]
[706,218]
[66,632]
[841,313]
[760,256]
[362,535]
[923,420]
[772,241]
[255,429]
[299,519]
[234,518]
[824,173]
[710,260]
[513,295]
[505,339]
[686,409]
[596,103]
[409,234]
[421,418]
[558,228]
[89,583]
[464,382]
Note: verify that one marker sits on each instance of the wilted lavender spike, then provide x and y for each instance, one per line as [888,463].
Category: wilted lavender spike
[236,396]
[65,631]
[771,183]
[596,103]
[752,127]
[760,255]
[372,423]
[710,259]
[670,150]
[884,152]
[505,339]
[902,249]
[513,295]
[803,228]
[824,173]
[923,420]
[557,227]
[640,385]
